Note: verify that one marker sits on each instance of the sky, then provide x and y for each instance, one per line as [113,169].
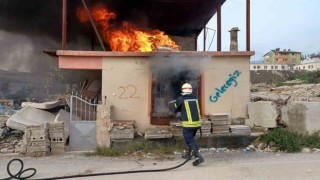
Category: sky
[284,24]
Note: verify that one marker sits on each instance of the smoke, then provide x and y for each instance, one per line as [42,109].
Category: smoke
[174,67]
[169,73]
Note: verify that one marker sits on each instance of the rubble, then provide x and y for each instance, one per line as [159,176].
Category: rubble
[29,116]
[122,130]
[158,133]
[280,95]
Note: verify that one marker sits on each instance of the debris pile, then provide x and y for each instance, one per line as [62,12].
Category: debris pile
[286,94]
[122,130]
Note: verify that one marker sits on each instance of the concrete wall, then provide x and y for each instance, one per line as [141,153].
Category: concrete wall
[126,81]
[221,93]
[302,117]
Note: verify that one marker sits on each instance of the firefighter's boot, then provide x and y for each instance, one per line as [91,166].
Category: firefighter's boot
[187,154]
[199,159]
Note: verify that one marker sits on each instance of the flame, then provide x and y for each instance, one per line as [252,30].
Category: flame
[126,37]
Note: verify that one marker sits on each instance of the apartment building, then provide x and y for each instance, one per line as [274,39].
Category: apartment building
[285,56]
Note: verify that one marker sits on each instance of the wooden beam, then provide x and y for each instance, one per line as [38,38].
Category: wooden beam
[248,25]
[218,25]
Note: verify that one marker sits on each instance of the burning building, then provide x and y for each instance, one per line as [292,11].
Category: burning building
[148,50]
[144,64]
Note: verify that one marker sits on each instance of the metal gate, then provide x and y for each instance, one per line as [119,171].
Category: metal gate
[83,115]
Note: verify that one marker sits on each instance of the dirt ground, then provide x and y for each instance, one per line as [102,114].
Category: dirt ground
[236,164]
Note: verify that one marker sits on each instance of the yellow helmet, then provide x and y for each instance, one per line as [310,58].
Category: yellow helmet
[186,88]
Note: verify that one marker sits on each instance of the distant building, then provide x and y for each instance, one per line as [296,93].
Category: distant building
[309,63]
[282,57]
[266,67]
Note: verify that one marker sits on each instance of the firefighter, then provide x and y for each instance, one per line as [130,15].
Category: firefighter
[188,105]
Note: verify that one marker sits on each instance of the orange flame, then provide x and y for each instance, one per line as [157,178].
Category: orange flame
[127,37]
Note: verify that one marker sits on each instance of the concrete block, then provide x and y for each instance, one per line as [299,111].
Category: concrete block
[58,145]
[263,114]
[61,139]
[56,135]
[302,117]
[29,116]
[249,123]
[40,143]
[64,116]
[39,138]
[38,149]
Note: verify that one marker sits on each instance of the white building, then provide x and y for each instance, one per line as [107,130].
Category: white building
[310,64]
[266,67]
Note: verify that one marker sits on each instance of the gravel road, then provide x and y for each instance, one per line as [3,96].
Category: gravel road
[218,165]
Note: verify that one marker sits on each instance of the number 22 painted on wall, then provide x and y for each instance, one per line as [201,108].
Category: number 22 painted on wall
[129,91]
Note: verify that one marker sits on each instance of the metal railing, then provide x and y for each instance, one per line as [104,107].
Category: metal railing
[82,108]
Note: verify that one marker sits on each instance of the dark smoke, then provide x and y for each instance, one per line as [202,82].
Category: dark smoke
[27,28]
[168,76]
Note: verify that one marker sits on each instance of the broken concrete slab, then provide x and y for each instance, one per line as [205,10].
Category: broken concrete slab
[158,133]
[64,116]
[240,130]
[29,116]
[44,105]
[302,117]
[263,114]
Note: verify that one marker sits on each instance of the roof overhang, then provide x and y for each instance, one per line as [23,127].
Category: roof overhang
[93,59]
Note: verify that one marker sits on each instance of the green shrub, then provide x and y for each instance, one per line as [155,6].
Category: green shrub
[312,141]
[283,139]
[287,141]
[309,77]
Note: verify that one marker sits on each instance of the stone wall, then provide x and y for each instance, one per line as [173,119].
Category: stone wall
[300,117]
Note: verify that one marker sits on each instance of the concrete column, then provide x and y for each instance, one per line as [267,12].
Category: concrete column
[103,125]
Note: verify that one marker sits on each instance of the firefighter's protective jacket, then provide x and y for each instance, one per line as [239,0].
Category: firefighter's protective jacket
[188,105]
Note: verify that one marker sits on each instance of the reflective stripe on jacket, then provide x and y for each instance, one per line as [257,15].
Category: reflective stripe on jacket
[188,105]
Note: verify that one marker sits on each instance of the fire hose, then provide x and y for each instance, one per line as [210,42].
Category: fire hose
[19,174]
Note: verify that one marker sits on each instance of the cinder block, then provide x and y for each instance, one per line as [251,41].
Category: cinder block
[39,138]
[56,135]
[38,149]
[57,145]
[40,143]
[58,140]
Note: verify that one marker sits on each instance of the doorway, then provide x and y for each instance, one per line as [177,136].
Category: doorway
[166,87]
